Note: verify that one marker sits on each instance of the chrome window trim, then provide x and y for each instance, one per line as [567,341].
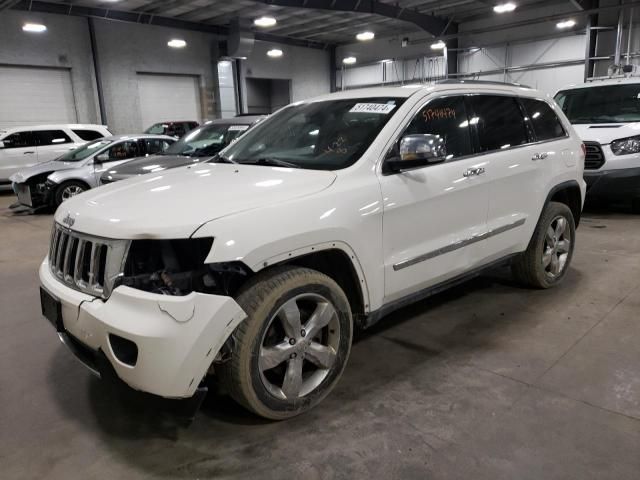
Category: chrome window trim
[458,245]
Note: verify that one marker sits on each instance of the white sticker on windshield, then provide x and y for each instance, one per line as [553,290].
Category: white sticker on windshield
[238,128]
[382,108]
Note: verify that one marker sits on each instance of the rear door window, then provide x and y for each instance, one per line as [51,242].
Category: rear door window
[19,140]
[499,122]
[546,123]
[88,135]
[155,145]
[51,137]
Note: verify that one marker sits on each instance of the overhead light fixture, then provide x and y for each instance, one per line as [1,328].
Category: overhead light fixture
[177,43]
[504,7]
[439,45]
[34,27]
[566,24]
[364,36]
[274,53]
[349,60]
[265,22]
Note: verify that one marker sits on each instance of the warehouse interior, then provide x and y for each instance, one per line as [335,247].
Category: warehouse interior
[486,380]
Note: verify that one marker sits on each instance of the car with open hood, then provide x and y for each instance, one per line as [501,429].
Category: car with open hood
[51,183]
[334,211]
[197,146]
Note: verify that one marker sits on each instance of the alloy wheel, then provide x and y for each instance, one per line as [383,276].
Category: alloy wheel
[557,246]
[71,191]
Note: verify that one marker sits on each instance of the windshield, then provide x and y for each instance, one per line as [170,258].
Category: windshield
[84,151]
[207,140]
[606,104]
[327,135]
[156,129]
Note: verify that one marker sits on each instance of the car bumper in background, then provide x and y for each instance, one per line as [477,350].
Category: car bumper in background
[619,184]
[157,344]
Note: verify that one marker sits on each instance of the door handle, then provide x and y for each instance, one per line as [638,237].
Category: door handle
[472,172]
[29,153]
[539,156]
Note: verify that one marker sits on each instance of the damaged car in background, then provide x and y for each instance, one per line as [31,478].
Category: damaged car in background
[197,146]
[50,183]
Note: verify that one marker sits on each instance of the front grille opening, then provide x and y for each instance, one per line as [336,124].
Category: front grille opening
[101,266]
[124,350]
[86,262]
[70,264]
[62,248]
[594,157]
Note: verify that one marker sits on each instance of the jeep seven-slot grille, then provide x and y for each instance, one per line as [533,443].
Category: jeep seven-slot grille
[594,158]
[85,263]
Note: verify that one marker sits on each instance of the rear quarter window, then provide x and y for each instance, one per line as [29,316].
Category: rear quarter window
[88,135]
[544,120]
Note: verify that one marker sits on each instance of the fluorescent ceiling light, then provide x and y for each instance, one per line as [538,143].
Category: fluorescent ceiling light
[566,24]
[349,60]
[264,22]
[439,45]
[177,43]
[34,27]
[364,36]
[504,7]
[274,53]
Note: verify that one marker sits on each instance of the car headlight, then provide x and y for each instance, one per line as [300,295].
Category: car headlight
[626,146]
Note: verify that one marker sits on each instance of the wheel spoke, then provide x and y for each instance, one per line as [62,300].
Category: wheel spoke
[271,357]
[293,378]
[550,234]
[546,258]
[319,319]
[561,226]
[321,355]
[290,317]
[555,265]
[563,246]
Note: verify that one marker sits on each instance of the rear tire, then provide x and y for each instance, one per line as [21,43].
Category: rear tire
[545,262]
[292,349]
[67,190]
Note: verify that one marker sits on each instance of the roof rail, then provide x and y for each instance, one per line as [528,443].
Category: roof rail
[481,82]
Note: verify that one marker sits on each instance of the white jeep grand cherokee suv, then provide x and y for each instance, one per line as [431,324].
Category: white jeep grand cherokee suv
[331,213]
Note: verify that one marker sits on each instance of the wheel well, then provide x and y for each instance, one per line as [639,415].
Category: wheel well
[571,196]
[74,180]
[336,264]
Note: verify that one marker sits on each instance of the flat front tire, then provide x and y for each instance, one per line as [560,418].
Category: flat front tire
[292,349]
[545,262]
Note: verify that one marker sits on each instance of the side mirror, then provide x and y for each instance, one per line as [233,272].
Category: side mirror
[103,157]
[416,151]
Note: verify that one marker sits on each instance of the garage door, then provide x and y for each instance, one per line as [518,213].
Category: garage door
[32,96]
[168,97]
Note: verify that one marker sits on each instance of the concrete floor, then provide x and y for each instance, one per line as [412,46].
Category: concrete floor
[487,381]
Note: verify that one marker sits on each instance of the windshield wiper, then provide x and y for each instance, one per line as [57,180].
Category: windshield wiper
[274,162]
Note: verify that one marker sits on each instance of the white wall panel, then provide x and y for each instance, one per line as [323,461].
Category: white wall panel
[168,97]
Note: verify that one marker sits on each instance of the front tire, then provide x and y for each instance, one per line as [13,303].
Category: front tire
[545,262]
[292,349]
[67,190]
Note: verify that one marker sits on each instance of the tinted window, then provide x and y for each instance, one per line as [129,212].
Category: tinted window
[546,124]
[499,121]
[51,137]
[156,129]
[88,135]
[155,145]
[606,104]
[124,150]
[447,118]
[176,129]
[19,140]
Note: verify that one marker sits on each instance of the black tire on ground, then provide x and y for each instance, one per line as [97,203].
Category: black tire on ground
[59,194]
[530,268]
[267,299]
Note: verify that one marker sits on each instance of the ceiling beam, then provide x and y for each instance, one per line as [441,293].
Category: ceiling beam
[429,23]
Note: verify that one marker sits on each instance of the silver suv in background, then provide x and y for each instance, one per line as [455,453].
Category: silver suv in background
[197,146]
[22,147]
[51,183]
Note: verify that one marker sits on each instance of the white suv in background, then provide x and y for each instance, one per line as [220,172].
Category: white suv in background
[606,115]
[22,147]
[327,215]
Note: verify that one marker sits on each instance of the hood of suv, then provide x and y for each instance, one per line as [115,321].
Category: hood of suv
[151,164]
[174,204]
[52,166]
[605,133]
